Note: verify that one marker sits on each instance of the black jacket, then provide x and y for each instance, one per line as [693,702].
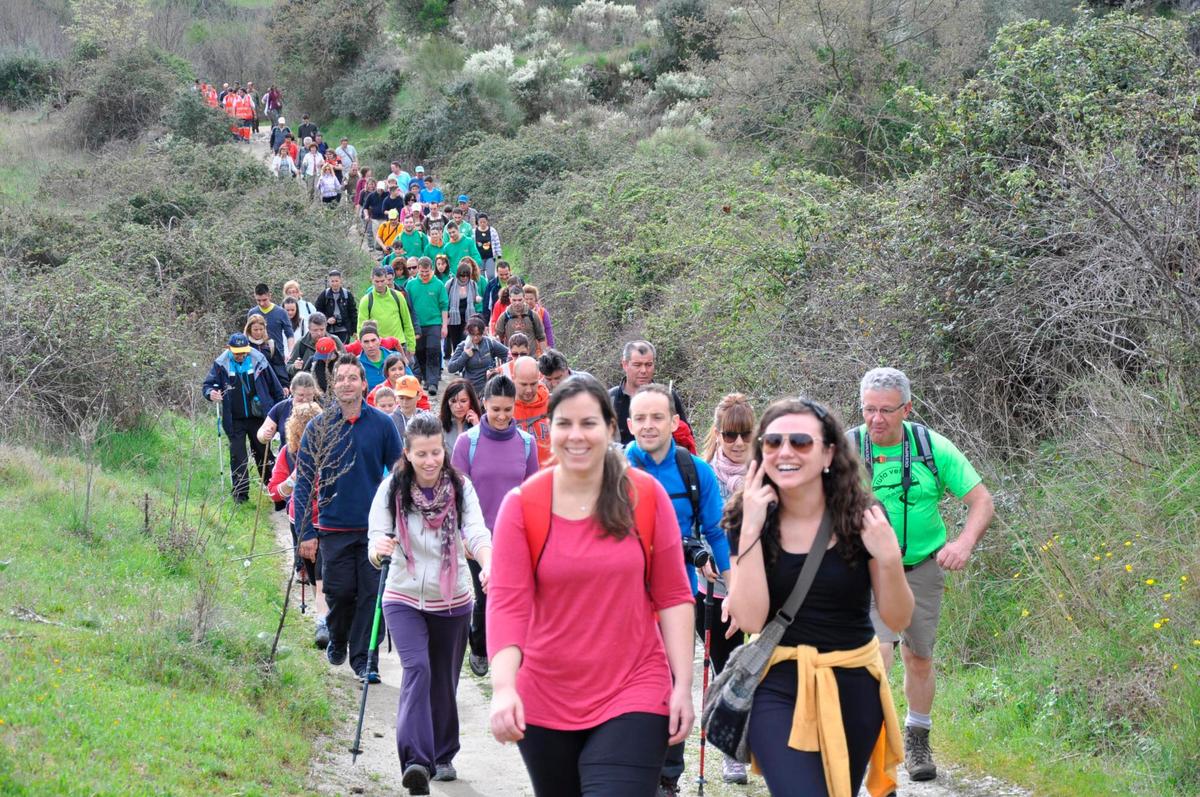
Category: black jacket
[620,400]
[329,303]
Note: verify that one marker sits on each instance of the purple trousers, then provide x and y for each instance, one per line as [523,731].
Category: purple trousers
[431,647]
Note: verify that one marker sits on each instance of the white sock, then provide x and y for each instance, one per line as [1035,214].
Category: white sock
[915,720]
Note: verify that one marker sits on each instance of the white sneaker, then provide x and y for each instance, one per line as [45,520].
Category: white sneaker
[734,771]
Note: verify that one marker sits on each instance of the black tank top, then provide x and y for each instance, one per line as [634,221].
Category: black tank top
[835,614]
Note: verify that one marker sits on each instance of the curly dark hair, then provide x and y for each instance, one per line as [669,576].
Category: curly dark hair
[846,498]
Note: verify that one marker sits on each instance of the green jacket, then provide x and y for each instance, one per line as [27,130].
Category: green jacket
[390,315]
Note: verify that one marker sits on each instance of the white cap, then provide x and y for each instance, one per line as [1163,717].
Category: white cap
[282,121]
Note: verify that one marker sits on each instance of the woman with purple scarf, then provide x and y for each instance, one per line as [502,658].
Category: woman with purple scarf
[420,513]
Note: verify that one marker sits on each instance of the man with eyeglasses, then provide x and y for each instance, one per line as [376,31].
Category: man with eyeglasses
[911,468]
[695,496]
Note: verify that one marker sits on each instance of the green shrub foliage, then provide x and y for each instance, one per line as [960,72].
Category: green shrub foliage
[26,80]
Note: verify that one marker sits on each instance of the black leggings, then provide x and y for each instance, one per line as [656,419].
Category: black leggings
[793,773]
[620,757]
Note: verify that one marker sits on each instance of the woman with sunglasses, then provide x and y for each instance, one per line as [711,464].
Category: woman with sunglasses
[727,449]
[800,477]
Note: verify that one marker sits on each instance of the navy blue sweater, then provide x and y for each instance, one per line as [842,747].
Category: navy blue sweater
[356,453]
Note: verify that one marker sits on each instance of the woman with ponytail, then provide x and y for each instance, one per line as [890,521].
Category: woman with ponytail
[802,480]
[589,615]
[420,513]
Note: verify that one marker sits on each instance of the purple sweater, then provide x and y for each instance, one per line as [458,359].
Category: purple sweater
[500,465]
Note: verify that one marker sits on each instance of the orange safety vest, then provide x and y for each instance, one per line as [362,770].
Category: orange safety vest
[210,97]
[244,108]
[230,103]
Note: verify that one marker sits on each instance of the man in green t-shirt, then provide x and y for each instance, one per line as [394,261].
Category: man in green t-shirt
[431,305]
[412,240]
[459,247]
[885,442]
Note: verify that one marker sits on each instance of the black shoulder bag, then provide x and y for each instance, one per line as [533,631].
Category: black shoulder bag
[726,713]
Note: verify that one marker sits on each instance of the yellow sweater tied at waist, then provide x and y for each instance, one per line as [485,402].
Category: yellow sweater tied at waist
[817,721]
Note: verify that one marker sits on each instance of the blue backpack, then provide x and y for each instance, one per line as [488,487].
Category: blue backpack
[473,436]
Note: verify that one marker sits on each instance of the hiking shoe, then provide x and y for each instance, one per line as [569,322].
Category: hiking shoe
[445,772]
[322,636]
[336,654]
[416,779]
[733,771]
[369,676]
[479,665]
[666,789]
[918,755]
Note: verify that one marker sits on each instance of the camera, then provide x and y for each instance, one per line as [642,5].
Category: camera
[695,553]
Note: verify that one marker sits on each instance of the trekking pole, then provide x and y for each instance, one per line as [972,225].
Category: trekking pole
[708,617]
[356,750]
[262,466]
[220,434]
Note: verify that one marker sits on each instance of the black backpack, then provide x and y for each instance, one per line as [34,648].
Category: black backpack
[395,297]
[920,437]
[691,485]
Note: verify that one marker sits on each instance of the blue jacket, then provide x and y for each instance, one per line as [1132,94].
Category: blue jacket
[355,459]
[279,326]
[221,377]
[712,506]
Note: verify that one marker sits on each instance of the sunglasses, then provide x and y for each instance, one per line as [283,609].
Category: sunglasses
[729,437]
[800,441]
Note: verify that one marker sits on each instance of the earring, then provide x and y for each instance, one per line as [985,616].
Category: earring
[826,469]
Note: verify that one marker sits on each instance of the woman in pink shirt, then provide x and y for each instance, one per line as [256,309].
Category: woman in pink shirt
[590,643]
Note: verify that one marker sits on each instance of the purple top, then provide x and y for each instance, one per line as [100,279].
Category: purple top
[500,458]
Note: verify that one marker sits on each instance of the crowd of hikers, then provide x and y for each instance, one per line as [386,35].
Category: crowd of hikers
[573,540]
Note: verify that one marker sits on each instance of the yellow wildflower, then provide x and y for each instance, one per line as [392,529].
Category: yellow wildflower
[1096,558]
[1149,582]
[1128,543]
[1166,596]
[1128,568]
[1157,626]
[1024,612]
[1108,555]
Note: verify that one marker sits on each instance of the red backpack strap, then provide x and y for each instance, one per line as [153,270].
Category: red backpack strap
[537,497]
[644,499]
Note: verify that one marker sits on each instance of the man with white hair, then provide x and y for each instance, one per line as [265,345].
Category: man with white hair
[910,468]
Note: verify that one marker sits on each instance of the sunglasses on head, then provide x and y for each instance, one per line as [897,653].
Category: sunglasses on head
[729,437]
[800,441]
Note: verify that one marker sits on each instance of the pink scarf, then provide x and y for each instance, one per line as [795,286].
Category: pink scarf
[731,475]
[439,516]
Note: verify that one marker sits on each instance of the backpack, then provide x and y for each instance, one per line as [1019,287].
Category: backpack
[691,485]
[920,436]
[473,435]
[537,497]
[395,297]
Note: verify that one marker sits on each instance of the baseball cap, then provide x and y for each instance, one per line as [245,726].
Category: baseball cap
[393,214]
[326,348]
[239,343]
[464,198]
[282,121]
[408,386]
[381,185]
[419,170]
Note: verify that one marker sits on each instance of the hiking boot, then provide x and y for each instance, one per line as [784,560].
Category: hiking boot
[322,636]
[416,779]
[666,789]
[445,772]
[479,665]
[733,771]
[336,654]
[918,755]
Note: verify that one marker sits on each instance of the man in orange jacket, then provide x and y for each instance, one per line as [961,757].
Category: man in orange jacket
[532,411]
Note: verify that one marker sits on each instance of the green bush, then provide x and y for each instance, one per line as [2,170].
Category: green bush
[190,116]
[26,80]
[424,16]
[123,95]
[366,92]
[316,43]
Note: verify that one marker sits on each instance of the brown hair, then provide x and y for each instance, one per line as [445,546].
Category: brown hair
[613,508]
[732,414]
[846,499]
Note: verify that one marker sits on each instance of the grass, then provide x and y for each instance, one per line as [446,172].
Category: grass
[27,154]
[1071,648]
[360,135]
[118,675]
